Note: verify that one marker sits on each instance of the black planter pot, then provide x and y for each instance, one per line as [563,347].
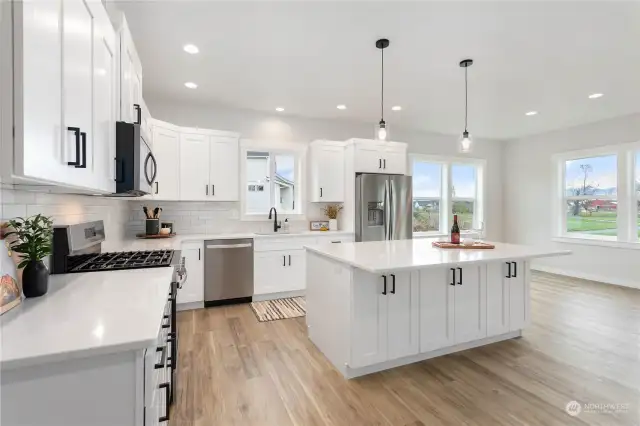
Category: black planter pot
[35,279]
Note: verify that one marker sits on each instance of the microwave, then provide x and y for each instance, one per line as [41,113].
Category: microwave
[136,167]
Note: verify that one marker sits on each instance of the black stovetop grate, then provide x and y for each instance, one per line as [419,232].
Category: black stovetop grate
[119,260]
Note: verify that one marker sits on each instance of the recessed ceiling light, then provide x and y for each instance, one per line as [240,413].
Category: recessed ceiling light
[191,85]
[341,107]
[595,95]
[279,109]
[396,108]
[531,113]
[191,48]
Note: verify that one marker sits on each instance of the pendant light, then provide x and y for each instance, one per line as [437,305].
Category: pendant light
[381,130]
[466,143]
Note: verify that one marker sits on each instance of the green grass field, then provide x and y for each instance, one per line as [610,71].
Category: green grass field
[598,223]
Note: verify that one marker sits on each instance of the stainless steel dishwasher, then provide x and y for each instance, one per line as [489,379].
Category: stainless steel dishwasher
[228,271]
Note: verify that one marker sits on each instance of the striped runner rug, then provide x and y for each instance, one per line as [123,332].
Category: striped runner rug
[271,310]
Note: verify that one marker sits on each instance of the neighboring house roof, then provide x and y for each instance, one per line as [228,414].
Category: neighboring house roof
[282,181]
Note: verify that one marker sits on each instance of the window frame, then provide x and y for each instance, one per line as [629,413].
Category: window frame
[298,151]
[626,198]
[446,196]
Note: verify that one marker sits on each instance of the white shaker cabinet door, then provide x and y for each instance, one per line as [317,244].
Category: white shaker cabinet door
[77,83]
[519,297]
[498,285]
[224,173]
[403,314]
[327,174]
[368,320]
[269,272]
[394,160]
[193,288]
[294,271]
[194,167]
[437,292]
[104,100]
[368,158]
[470,304]
[165,149]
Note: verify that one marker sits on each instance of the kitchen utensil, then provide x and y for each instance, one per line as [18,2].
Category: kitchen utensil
[146,212]
[156,212]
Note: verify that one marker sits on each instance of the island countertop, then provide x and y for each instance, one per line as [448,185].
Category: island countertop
[404,255]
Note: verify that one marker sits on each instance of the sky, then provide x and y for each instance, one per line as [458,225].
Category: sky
[285,166]
[603,174]
[427,180]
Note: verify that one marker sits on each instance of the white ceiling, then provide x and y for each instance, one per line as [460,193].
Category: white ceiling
[309,57]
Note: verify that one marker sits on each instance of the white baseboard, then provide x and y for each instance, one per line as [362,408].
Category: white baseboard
[281,295]
[189,306]
[351,373]
[586,276]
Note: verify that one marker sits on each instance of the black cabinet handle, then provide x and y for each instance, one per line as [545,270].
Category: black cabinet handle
[509,269]
[199,254]
[379,163]
[320,192]
[165,418]
[75,130]
[213,190]
[157,185]
[515,269]
[83,163]
[289,260]
[139,114]
[384,163]
[284,260]
[384,280]
[393,283]
[206,189]
[163,358]
[460,277]
[119,177]
[453,279]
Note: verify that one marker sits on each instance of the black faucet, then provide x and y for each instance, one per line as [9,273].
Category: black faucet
[275,219]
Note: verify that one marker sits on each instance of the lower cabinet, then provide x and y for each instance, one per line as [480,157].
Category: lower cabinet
[385,317]
[193,288]
[469,303]
[279,271]
[508,297]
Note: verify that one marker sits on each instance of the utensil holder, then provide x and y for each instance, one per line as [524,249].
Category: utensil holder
[152,226]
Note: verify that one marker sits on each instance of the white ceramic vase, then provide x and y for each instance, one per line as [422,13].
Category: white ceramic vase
[333,224]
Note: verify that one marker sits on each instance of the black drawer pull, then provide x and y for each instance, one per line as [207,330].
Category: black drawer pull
[453,279]
[167,396]
[83,163]
[460,277]
[393,283]
[515,269]
[509,269]
[163,358]
[76,131]
[384,278]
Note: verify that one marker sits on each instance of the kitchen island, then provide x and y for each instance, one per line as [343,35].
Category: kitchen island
[377,305]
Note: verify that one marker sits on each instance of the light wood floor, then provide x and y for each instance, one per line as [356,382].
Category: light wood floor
[584,345]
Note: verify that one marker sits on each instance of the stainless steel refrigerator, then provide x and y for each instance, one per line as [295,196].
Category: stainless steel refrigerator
[383,207]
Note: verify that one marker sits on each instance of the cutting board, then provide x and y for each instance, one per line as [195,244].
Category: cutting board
[474,246]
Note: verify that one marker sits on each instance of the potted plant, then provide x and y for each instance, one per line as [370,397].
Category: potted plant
[331,211]
[32,239]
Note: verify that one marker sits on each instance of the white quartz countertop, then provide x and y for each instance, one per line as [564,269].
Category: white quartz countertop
[176,242]
[383,256]
[86,314]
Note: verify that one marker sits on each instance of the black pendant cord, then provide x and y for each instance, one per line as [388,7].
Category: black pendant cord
[466,99]
[382,85]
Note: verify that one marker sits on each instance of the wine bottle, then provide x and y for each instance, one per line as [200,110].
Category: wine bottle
[455,231]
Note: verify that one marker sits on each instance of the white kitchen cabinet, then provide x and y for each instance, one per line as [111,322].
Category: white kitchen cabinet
[380,157]
[403,314]
[64,94]
[146,126]
[327,165]
[224,168]
[279,271]
[369,320]
[470,304]
[130,76]
[436,309]
[194,167]
[165,149]
[507,297]
[193,288]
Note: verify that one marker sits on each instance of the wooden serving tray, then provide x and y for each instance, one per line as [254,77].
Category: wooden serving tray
[474,246]
[145,236]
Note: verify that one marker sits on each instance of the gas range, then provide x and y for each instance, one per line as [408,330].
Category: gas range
[113,261]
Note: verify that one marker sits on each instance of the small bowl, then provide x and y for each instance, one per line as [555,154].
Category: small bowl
[467,242]
[165,231]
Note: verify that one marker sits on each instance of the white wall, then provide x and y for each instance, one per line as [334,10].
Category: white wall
[527,200]
[265,126]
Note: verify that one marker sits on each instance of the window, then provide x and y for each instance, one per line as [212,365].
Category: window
[444,187]
[599,195]
[590,196]
[271,179]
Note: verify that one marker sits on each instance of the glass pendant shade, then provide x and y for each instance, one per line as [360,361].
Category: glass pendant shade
[382,131]
[465,144]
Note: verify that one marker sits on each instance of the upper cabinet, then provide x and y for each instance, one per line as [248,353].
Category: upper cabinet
[327,165]
[166,148]
[64,93]
[130,76]
[380,157]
